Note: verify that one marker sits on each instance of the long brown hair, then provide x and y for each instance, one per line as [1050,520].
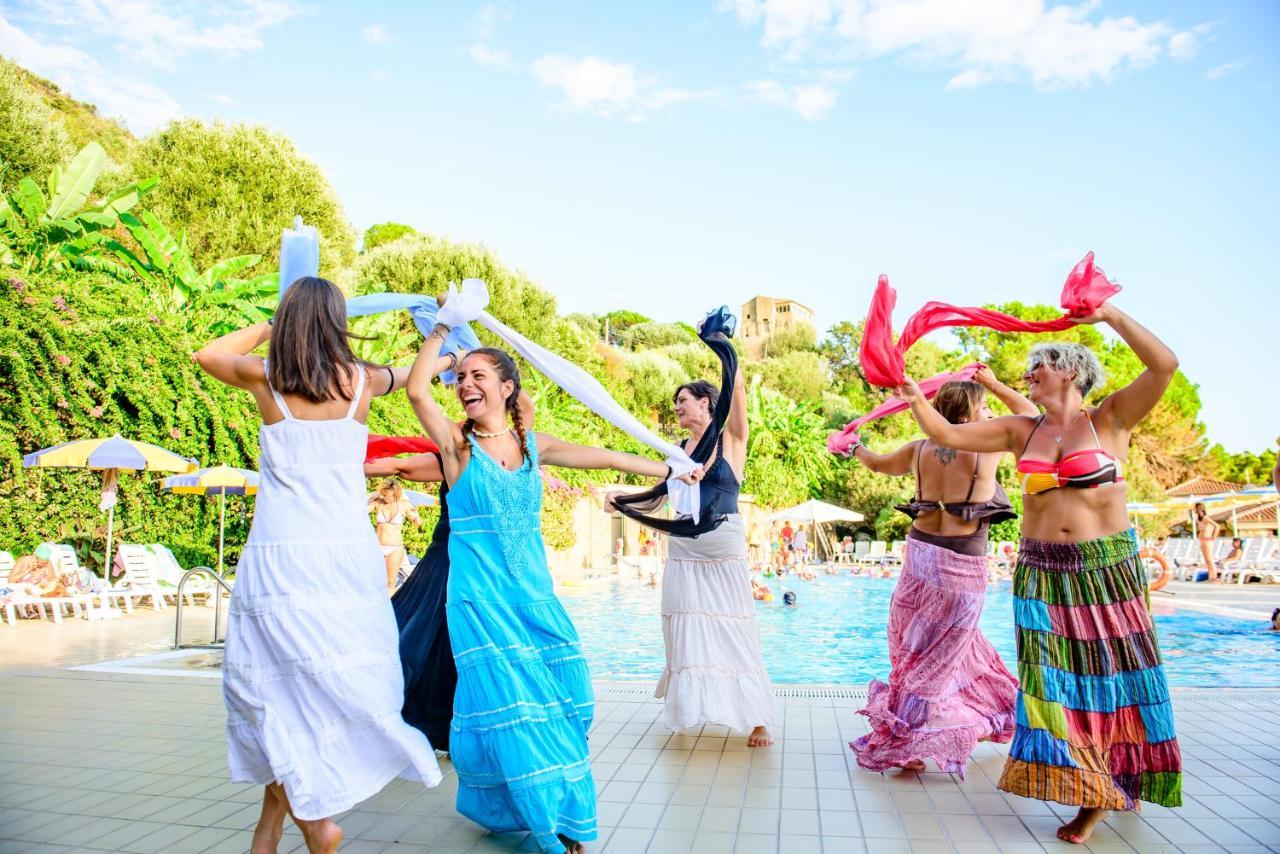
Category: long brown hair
[310,345]
[507,371]
[959,401]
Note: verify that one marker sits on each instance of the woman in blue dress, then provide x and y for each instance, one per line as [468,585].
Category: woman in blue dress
[524,702]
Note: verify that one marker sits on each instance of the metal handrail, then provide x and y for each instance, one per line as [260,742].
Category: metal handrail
[217,610]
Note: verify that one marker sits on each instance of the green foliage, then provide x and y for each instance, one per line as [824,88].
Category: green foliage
[234,188]
[800,375]
[39,232]
[77,362]
[800,337]
[620,320]
[384,232]
[1244,467]
[76,121]
[32,140]
[215,301]
[787,459]
[589,323]
[650,334]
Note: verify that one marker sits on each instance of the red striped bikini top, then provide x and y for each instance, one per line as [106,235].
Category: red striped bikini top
[1083,469]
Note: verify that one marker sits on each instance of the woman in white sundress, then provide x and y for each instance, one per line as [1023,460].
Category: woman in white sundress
[312,678]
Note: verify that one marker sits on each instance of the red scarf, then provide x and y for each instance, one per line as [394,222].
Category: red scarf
[392,446]
[842,442]
[882,360]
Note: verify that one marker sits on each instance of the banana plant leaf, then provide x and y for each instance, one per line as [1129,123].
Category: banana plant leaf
[225,269]
[126,197]
[69,190]
[29,200]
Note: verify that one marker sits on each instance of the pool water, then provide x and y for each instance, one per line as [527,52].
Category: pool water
[836,634]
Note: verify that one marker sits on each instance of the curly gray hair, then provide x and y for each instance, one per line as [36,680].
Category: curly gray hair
[1074,359]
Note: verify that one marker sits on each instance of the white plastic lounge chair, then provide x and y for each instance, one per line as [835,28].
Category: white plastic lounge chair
[64,558]
[139,581]
[25,595]
[168,575]
[876,553]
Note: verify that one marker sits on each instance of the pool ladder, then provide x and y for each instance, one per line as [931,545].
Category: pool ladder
[217,609]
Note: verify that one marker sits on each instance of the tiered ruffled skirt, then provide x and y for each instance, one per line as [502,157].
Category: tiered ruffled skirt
[1095,721]
[521,713]
[948,688]
[312,679]
[715,672]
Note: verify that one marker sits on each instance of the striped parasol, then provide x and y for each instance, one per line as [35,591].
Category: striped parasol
[220,481]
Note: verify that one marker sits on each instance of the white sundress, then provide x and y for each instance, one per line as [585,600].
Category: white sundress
[311,677]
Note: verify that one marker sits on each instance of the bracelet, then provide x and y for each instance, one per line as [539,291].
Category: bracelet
[670,471]
[271,320]
[453,361]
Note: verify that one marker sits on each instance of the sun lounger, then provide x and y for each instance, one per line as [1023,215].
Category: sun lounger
[65,560]
[139,581]
[25,595]
[168,575]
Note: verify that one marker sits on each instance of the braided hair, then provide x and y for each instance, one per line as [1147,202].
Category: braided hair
[507,372]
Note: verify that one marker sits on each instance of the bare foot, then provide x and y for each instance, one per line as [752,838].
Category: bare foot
[266,836]
[322,836]
[571,846]
[1079,829]
[760,737]
[913,765]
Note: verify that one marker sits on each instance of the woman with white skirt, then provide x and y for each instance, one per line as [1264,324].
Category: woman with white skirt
[311,677]
[715,671]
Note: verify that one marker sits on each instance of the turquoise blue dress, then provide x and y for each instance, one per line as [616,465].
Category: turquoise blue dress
[524,701]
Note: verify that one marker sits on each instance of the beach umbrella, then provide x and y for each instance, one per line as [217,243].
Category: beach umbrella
[420,499]
[220,481]
[109,456]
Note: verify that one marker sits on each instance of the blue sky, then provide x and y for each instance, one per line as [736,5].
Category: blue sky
[668,157]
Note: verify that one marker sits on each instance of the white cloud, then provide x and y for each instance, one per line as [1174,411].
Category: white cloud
[379,74]
[482,54]
[605,88]
[809,102]
[986,40]
[490,16]
[159,33]
[225,100]
[141,105]
[375,34]
[1220,71]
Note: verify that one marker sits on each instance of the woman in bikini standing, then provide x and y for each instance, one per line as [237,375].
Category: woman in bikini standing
[1095,723]
[392,508]
[1206,531]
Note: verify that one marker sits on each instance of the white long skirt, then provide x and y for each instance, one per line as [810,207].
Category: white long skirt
[715,671]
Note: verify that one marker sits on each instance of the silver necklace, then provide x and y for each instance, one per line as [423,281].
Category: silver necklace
[1065,430]
[483,435]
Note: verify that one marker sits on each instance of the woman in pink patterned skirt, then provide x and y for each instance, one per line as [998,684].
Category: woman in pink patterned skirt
[948,688]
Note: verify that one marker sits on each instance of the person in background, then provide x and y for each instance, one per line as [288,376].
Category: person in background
[801,542]
[789,599]
[1206,530]
[392,508]
[753,545]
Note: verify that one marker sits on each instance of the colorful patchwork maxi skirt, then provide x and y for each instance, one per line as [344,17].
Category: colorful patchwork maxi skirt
[948,688]
[1095,723]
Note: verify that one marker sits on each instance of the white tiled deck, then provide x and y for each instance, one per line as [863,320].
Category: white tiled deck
[121,762]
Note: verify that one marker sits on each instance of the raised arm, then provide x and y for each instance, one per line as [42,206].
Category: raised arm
[446,434]
[1126,407]
[227,359]
[985,437]
[1016,403]
[735,427]
[896,463]
[422,468]
[557,452]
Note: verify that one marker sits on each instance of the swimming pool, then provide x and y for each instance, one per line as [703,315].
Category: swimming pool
[836,635]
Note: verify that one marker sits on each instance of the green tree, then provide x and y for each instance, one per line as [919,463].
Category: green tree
[787,458]
[800,375]
[651,334]
[32,139]
[794,339]
[234,188]
[384,232]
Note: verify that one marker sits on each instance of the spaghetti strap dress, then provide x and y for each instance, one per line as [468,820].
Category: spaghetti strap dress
[524,701]
[311,672]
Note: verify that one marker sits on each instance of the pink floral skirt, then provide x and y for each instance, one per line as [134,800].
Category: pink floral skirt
[948,688]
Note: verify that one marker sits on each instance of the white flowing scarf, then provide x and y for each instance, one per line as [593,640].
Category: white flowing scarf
[470,303]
